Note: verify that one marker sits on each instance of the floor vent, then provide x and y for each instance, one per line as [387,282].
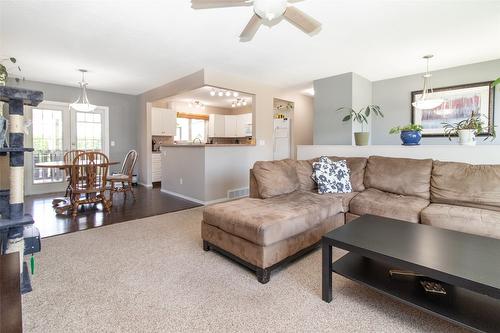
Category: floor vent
[238,193]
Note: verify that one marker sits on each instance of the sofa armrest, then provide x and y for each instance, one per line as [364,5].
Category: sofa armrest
[253,190]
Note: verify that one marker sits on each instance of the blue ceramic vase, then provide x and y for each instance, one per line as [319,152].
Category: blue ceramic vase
[410,138]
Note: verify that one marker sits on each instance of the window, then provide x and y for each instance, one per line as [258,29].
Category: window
[47,144]
[189,129]
[88,131]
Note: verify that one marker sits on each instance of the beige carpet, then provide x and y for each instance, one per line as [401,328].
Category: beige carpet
[151,275]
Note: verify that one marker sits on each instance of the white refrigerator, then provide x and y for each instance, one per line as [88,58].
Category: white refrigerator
[282,143]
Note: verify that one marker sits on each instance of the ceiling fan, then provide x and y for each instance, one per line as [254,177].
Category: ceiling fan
[265,12]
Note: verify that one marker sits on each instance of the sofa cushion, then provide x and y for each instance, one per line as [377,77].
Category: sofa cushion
[345,198]
[304,171]
[332,177]
[356,167]
[275,177]
[376,202]
[267,221]
[404,176]
[476,221]
[466,184]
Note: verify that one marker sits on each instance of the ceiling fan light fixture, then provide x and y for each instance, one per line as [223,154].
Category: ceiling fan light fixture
[269,9]
[236,94]
[82,103]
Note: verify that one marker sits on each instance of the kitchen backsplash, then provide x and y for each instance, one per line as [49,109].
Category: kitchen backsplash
[228,141]
[161,140]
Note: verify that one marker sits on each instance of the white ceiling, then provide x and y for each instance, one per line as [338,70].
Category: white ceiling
[203,96]
[133,46]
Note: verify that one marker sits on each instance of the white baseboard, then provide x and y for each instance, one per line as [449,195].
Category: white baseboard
[183,196]
[201,202]
[145,185]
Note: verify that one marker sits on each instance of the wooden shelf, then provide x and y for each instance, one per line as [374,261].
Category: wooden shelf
[460,306]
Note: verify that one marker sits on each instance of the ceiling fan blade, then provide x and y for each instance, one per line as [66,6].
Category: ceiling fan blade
[204,4]
[251,28]
[303,21]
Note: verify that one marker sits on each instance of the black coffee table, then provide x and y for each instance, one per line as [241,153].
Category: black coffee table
[467,266]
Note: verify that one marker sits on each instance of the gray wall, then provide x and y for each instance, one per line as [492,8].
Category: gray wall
[394,98]
[330,94]
[123,112]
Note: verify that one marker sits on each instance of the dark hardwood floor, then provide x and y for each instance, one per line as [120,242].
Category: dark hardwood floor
[149,202]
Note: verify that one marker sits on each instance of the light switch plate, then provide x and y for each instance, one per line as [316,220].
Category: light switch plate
[262,142]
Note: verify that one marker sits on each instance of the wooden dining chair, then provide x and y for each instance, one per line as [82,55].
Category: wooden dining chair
[68,158]
[124,178]
[88,180]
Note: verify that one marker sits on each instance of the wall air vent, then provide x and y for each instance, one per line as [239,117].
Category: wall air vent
[238,193]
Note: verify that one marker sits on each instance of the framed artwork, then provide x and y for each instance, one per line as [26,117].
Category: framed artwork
[460,102]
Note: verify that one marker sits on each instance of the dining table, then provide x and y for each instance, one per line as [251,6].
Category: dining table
[63,204]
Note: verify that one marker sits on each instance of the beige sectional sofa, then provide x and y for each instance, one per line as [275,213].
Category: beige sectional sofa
[285,217]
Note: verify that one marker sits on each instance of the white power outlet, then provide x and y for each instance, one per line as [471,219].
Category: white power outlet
[181,181]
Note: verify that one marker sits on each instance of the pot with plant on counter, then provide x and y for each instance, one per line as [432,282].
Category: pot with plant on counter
[468,129]
[361,138]
[410,134]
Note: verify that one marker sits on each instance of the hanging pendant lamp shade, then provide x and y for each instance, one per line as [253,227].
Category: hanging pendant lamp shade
[82,103]
[426,101]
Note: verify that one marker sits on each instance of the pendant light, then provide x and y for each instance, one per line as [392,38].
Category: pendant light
[426,102]
[82,103]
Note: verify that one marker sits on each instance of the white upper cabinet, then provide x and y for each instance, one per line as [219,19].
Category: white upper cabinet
[163,122]
[231,124]
[216,125]
[244,125]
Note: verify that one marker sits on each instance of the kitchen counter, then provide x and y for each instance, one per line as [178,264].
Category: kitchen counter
[208,174]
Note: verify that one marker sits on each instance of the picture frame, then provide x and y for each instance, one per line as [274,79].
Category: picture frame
[460,101]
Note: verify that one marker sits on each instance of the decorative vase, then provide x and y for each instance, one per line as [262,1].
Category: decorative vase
[362,138]
[467,137]
[410,138]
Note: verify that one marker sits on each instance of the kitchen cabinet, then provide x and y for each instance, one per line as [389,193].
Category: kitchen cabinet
[163,122]
[156,167]
[216,125]
[230,126]
[244,125]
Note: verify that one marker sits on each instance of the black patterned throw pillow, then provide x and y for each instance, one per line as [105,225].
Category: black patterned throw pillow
[332,177]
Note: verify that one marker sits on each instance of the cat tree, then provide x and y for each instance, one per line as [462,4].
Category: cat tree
[17,232]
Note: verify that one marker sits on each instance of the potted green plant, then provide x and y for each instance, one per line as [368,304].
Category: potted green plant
[411,134]
[361,138]
[4,72]
[467,129]
[496,82]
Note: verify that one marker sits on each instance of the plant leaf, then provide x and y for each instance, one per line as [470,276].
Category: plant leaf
[347,118]
[367,111]
[496,82]
[13,60]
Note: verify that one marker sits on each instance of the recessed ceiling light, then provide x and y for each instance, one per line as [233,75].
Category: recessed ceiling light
[228,93]
[244,102]
[233,105]
[221,93]
[212,92]
[236,94]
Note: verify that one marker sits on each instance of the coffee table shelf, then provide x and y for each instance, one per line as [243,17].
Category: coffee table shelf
[461,306]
